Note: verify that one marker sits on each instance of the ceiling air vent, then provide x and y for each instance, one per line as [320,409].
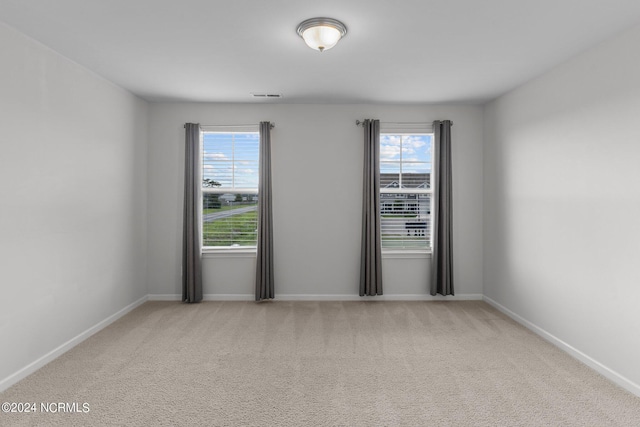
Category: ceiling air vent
[266,95]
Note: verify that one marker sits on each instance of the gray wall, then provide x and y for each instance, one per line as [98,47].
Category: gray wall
[317,185]
[562,203]
[72,200]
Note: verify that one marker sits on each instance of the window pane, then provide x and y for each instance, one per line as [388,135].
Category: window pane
[406,161]
[230,160]
[230,166]
[405,221]
[220,144]
[229,219]
[416,148]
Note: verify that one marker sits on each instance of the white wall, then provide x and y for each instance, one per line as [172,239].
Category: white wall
[562,203]
[317,186]
[72,200]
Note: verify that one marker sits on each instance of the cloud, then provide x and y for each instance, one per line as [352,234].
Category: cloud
[215,156]
[251,163]
[415,148]
[389,147]
[415,141]
[413,144]
[389,153]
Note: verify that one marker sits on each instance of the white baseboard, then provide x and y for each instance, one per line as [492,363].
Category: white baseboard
[164,297]
[329,297]
[206,297]
[390,297]
[574,352]
[39,363]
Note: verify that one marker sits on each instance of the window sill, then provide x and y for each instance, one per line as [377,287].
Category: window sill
[405,254]
[251,253]
[229,253]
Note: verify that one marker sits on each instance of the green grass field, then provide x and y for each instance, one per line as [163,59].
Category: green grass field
[238,230]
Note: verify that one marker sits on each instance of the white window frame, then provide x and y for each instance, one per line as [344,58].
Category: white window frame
[406,130]
[223,251]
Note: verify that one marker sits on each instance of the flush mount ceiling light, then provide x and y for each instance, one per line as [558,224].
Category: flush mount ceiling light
[321,33]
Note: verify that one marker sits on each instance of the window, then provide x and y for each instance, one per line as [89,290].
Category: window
[230,189]
[405,190]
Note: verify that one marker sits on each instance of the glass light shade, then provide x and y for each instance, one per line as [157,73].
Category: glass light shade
[321,33]
[321,37]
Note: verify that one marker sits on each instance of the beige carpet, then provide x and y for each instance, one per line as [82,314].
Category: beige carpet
[320,364]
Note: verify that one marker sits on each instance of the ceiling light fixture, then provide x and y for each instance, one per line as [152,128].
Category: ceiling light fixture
[321,33]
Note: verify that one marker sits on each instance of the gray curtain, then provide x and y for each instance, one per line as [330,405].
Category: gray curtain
[264,262]
[191,262]
[442,257]
[371,257]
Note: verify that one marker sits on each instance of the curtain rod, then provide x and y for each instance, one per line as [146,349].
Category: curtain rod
[361,123]
[272,125]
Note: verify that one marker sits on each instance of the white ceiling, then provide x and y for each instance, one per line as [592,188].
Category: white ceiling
[396,51]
